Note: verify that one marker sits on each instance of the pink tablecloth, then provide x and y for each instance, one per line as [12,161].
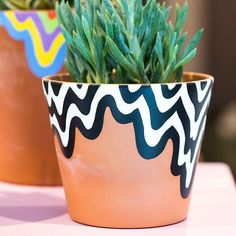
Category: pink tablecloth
[40,211]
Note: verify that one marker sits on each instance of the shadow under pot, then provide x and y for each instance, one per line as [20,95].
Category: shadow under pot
[31,47]
[128,153]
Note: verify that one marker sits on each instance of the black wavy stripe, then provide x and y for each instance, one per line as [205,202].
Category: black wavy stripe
[203,84]
[169,93]
[45,85]
[157,120]
[56,88]
[147,93]
[83,104]
[192,91]
[190,144]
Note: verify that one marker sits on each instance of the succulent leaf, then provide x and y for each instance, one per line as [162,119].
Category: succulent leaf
[124,41]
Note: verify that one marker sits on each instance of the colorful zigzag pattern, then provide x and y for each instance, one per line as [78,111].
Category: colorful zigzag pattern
[44,43]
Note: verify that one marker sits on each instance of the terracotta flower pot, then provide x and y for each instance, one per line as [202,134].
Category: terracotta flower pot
[31,46]
[128,153]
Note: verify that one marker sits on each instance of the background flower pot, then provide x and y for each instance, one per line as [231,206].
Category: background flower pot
[128,153]
[31,46]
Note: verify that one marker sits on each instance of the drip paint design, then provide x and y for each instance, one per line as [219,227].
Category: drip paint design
[158,113]
[44,43]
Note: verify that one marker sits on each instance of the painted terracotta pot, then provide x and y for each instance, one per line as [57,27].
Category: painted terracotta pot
[31,47]
[128,153]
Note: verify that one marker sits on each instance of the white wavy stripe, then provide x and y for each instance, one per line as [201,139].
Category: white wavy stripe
[168,103]
[88,120]
[189,165]
[59,99]
[134,87]
[165,104]
[152,137]
[171,86]
[202,92]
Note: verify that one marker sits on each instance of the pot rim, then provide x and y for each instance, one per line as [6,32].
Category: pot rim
[192,76]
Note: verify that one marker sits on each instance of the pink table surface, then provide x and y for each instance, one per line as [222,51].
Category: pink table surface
[42,210]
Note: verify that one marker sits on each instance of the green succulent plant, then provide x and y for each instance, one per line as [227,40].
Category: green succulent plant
[27,4]
[125,41]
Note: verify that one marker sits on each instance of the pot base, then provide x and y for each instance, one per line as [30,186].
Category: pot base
[104,186]
[118,226]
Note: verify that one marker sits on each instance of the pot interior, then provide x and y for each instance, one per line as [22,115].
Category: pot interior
[187,77]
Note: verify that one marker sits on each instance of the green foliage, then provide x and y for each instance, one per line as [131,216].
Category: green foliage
[27,4]
[124,41]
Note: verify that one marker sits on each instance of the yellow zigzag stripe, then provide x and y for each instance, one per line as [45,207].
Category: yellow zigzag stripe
[43,58]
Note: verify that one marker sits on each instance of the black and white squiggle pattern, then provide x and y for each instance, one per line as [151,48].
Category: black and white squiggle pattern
[157,112]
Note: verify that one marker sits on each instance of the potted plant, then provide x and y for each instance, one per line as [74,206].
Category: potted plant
[128,122]
[31,46]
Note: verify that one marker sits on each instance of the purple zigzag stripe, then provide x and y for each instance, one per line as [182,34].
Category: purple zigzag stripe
[47,39]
